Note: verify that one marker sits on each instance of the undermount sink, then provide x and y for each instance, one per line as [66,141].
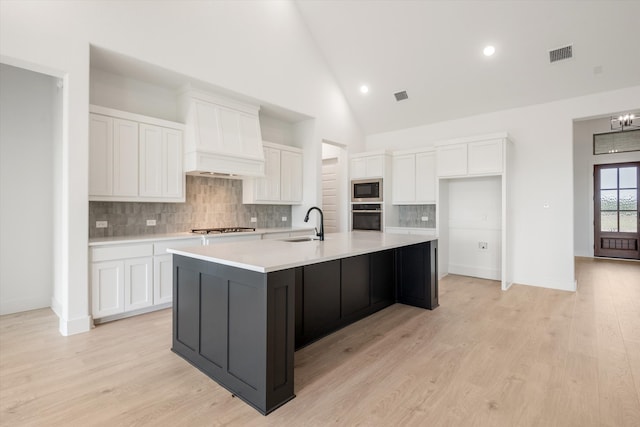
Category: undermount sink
[301,239]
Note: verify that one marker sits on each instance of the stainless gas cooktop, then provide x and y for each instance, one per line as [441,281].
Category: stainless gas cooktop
[221,230]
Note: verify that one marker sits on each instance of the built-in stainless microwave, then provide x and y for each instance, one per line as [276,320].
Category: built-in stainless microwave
[366,190]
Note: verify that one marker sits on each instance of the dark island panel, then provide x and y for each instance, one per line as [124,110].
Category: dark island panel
[241,327]
[237,326]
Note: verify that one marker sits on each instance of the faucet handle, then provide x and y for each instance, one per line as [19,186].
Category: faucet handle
[317,232]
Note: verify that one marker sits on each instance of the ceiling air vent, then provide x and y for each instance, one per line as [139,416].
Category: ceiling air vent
[561,54]
[401,96]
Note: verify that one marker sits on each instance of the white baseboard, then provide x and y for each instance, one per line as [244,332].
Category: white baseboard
[481,272]
[75,326]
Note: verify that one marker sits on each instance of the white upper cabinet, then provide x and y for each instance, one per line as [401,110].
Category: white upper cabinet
[414,178]
[160,162]
[485,157]
[282,183]
[134,158]
[403,179]
[426,177]
[291,176]
[452,160]
[367,166]
[100,155]
[125,157]
[268,188]
[472,158]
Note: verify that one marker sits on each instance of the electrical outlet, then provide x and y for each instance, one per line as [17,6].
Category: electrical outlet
[482,246]
[425,218]
[151,222]
[284,219]
[254,219]
[102,224]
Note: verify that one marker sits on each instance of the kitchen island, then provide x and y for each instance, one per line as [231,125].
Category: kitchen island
[242,308]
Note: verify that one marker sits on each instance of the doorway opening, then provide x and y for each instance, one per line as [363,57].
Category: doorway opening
[334,187]
[616,213]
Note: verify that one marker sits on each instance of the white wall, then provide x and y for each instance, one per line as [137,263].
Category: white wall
[26,201]
[255,48]
[128,94]
[475,215]
[583,162]
[541,239]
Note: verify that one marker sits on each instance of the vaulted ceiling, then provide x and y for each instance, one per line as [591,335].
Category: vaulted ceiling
[434,51]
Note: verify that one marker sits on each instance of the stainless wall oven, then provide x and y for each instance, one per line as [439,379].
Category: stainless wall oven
[366,216]
[366,190]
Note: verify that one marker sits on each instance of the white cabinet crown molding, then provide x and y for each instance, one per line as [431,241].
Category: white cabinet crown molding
[111,112]
[477,138]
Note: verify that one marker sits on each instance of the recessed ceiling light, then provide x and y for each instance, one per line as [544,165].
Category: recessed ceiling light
[489,50]
[364,89]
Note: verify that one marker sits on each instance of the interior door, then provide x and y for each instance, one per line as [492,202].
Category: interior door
[616,210]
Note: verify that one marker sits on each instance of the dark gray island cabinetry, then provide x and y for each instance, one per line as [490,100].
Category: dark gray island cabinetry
[241,309]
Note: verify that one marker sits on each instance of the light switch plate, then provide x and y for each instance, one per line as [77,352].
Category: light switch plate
[151,222]
[284,219]
[425,218]
[254,219]
[102,224]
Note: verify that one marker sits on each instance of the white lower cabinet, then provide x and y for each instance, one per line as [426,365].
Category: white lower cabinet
[120,286]
[138,283]
[107,288]
[133,278]
[162,279]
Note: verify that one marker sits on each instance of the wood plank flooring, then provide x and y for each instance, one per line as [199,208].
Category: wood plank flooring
[525,357]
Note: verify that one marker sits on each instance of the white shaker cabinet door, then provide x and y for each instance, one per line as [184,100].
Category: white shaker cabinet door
[100,155]
[150,161]
[268,188]
[374,166]
[138,283]
[358,168]
[291,176]
[107,288]
[161,171]
[162,279]
[426,177]
[172,164]
[485,157]
[452,160]
[125,157]
[404,179]
[367,167]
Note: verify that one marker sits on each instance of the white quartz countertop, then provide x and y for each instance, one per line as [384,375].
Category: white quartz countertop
[265,256]
[187,235]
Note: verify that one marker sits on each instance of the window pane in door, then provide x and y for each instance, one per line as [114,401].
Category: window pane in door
[628,222]
[628,200]
[628,177]
[609,200]
[608,221]
[609,178]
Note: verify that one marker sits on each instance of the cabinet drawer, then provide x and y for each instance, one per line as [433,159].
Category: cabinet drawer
[160,248]
[109,253]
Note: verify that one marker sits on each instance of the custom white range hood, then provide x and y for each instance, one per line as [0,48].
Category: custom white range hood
[222,136]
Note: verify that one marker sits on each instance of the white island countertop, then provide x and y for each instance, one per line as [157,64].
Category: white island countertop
[265,256]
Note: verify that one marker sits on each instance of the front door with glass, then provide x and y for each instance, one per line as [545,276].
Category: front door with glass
[616,210]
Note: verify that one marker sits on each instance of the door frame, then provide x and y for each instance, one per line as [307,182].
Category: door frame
[597,233]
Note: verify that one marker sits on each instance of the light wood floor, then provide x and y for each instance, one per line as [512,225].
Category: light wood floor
[525,357]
